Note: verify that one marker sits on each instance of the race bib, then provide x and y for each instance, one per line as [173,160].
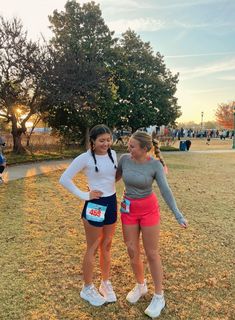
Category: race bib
[125,206]
[95,212]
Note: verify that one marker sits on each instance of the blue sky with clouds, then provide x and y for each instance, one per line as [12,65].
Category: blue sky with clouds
[196,38]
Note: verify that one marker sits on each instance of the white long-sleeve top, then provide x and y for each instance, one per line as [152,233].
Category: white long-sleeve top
[103,180]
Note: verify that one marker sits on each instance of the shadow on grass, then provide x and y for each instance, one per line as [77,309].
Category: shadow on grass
[43,243]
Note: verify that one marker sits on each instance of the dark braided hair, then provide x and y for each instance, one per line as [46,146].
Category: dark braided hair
[93,135]
[111,157]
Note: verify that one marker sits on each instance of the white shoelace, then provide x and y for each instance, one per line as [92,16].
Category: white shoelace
[93,291]
[108,286]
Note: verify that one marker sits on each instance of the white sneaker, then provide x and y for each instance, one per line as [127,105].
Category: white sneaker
[137,292]
[156,306]
[90,293]
[106,290]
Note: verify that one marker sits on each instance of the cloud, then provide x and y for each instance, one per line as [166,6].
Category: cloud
[228,78]
[191,3]
[211,90]
[201,54]
[113,7]
[185,25]
[139,24]
[201,71]
[152,24]
[138,4]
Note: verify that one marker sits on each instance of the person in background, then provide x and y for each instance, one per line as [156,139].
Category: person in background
[208,138]
[99,213]
[188,144]
[2,159]
[140,214]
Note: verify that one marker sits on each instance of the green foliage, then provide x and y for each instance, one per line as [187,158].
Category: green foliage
[145,87]
[93,79]
[168,148]
[84,77]
[79,76]
[21,68]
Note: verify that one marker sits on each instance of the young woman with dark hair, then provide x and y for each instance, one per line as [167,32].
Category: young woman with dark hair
[99,214]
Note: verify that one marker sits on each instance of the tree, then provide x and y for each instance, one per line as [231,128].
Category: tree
[146,87]
[224,115]
[21,69]
[79,82]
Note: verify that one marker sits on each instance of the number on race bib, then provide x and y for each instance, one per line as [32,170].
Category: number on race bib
[95,212]
[125,206]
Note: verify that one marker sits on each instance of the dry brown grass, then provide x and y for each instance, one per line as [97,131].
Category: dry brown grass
[42,245]
[215,144]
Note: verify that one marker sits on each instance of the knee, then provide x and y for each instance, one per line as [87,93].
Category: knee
[105,248]
[133,253]
[105,245]
[91,251]
[152,256]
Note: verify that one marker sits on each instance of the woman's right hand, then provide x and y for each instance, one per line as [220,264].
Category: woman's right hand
[95,194]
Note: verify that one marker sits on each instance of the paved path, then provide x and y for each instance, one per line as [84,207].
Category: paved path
[200,151]
[32,169]
[36,168]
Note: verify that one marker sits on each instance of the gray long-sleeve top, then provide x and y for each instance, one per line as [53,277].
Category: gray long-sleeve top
[138,179]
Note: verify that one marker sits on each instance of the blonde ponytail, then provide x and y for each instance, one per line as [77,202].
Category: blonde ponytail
[157,152]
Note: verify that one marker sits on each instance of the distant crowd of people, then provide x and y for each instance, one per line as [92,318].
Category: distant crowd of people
[191,133]
[120,136]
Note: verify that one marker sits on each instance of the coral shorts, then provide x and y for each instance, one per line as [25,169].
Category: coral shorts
[144,212]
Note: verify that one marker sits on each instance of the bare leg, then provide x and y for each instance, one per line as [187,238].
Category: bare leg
[131,234]
[151,245]
[93,237]
[105,247]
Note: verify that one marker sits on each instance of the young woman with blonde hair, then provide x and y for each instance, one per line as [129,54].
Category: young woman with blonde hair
[140,214]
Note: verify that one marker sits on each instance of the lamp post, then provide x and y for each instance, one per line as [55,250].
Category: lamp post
[202,113]
[234,127]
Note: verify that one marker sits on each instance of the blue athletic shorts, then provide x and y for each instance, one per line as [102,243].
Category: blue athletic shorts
[110,213]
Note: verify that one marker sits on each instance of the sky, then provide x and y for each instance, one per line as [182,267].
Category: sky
[196,38]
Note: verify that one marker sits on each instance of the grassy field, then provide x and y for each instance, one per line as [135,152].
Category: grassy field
[42,244]
[197,144]
[215,144]
[13,159]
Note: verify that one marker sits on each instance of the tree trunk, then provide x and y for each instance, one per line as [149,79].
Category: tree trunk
[17,140]
[28,140]
[28,135]
[17,143]
[87,140]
